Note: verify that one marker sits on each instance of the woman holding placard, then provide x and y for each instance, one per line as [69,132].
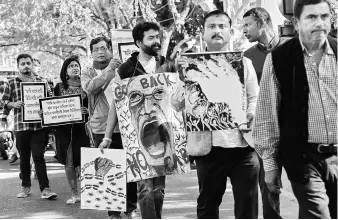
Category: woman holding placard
[70,138]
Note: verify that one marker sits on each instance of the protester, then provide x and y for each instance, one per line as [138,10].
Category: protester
[230,155]
[257,27]
[296,120]
[30,137]
[70,138]
[96,81]
[147,61]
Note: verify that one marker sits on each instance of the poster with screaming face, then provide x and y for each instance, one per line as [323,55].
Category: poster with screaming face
[215,91]
[150,115]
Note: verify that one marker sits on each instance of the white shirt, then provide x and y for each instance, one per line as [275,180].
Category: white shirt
[150,66]
[233,138]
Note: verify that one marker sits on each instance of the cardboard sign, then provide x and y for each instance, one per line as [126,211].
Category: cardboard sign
[126,49]
[31,92]
[103,179]
[61,110]
[150,112]
[215,91]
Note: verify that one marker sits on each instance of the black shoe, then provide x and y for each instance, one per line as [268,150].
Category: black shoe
[4,154]
[13,159]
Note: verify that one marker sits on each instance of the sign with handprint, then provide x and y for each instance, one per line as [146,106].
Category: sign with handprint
[103,179]
[126,49]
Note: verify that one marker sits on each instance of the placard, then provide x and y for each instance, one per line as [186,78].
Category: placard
[61,110]
[31,92]
[150,112]
[120,36]
[103,179]
[126,49]
[215,91]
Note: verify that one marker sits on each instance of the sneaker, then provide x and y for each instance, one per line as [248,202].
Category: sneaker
[192,166]
[48,194]
[25,191]
[133,215]
[73,200]
[114,216]
[13,158]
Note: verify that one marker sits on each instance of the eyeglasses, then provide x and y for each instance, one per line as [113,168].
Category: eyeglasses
[72,66]
[104,49]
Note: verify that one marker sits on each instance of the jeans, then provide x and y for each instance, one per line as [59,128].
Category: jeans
[151,196]
[270,201]
[242,166]
[131,187]
[317,198]
[33,142]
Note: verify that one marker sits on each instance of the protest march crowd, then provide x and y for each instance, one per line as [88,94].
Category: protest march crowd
[238,116]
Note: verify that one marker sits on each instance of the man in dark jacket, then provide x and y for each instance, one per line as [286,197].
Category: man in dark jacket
[296,114]
[147,61]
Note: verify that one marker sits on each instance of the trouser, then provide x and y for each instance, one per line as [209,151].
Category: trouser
[317,198]
[71,173]
[131,187]
[242,166]
[150,197]
[32,142]
[270,201]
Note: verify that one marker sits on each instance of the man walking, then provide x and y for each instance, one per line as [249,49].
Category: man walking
[30,137]
[296,120]
[230,156]
[257,27]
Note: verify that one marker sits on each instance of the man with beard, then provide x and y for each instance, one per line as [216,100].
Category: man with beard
[30,137]
[229,154]
[257,27]
[147,61]
[95,81]
[296,115]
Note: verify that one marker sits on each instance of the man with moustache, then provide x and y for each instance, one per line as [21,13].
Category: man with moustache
[257,27]
[296,116]
[96,82]
[230,155]
[30,137]
[147,38]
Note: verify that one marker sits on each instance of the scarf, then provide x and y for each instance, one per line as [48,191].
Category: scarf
[27,78]
[74,82]
[101,65]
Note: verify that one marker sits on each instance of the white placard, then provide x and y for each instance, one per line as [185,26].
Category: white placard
[103,179]
[31,92]
[61,110]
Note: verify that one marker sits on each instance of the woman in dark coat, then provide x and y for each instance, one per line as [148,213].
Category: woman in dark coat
[70,138]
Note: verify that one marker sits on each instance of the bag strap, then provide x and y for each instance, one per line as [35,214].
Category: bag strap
[97,100]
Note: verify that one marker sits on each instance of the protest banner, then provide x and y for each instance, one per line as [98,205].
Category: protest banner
[215,91]
[120,36]
[126,49]
[31,92]
[61,110]
[150,115]
[103,179]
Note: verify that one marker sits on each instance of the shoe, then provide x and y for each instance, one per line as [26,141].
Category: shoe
[4,155]
[13,158]
[48,194]
[133,215]
[25,191]
[73,200]
[114,216]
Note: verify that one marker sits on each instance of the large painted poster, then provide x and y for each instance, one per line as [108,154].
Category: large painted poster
[215,91]
[150,115]
[103,179]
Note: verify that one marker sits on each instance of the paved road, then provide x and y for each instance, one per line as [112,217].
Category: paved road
[180,198]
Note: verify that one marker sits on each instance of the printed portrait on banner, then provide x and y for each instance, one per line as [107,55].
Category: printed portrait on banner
[215,91]
[103,179]
[150,115]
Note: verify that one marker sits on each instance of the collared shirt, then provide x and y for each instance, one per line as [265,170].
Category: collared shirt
[233,138]
[322,119]
[12,93]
